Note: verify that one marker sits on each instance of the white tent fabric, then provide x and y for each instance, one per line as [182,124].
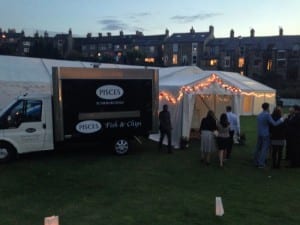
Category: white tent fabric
[190,92]
[20,75]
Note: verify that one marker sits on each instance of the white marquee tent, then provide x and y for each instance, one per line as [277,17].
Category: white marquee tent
[189,91]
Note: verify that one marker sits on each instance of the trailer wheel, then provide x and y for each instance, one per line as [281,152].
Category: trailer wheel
[121,146]
[7,152]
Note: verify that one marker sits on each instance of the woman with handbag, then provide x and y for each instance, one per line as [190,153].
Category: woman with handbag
[223,139]
[208,142]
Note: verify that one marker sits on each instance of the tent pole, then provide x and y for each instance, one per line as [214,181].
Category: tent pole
[215,103]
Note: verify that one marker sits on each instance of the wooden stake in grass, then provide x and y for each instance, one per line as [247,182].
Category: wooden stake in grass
[52,220]
[219,207]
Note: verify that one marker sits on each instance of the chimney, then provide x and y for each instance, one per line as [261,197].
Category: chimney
[280,31]
[252,33]
[70,32]
[99,35]
[89,35]
[231,33]
[108,34]
[192,30]
[121,33]
[167,32]
[211,30]
[139,33]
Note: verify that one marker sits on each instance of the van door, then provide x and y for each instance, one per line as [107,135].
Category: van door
[25,125]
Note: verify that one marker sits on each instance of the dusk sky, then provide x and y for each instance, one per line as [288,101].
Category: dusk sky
[151,17]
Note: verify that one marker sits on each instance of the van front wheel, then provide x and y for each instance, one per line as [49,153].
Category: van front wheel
[121,146]
[7,152]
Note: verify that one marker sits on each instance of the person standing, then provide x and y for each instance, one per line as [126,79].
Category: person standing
[223,139]
[165,127]
[294,138]
[234,129]
[264,119]
[208,140]
[277,136]
[288,133]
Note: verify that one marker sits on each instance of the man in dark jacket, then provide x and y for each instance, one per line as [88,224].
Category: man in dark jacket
[165,127]
[294,137]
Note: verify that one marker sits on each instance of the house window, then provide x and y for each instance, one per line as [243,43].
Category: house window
[184,60]
[60,42]
[295,50]
[257,62]
[269,65]
[166,59]
[152,49]
[213,62]
[26,50]
[175,48]
[242,50]
[175,59]
[92,47]
[149,60]
[194,47]
[281,54]
[102,47]
[227,62]
[26,43]
[194,60]
[136,48]
[212,51]
[281,63]
[241,62]
[116,47]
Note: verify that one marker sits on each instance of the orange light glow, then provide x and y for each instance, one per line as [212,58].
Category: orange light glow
[213,78]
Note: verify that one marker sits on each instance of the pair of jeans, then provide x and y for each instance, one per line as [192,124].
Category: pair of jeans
[262,149]
[162,135]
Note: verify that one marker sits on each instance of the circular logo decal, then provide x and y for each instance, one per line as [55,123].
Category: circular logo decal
[88,126]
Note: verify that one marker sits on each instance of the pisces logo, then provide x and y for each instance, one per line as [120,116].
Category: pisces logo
[109,92]
[88,126]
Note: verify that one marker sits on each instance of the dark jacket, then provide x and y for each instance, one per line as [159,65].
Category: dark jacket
[277,132]
[208,123]
[293,127]
[165,121]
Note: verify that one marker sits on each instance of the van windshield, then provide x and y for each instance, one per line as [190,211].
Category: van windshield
[3,110]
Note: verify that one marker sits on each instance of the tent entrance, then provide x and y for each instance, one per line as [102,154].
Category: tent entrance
[204,103]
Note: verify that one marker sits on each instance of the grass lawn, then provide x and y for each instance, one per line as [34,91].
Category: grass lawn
[147,187]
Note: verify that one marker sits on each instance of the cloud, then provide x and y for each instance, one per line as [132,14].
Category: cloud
[141,14]
[117,25]
[112,24]
[200,16]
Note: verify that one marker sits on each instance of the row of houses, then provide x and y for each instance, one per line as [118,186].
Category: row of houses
[252,56]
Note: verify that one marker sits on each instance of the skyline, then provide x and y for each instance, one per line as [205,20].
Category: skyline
[151,18]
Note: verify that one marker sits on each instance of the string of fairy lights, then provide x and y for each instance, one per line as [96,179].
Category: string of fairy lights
[198,87]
